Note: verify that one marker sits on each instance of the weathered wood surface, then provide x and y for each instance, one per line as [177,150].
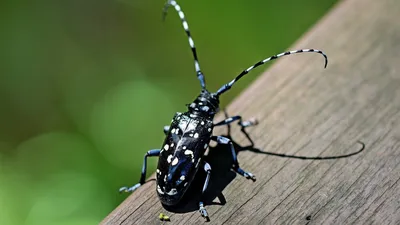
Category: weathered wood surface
[305,110]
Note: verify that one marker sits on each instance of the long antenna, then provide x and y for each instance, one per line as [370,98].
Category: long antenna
[227,86]
[173,3]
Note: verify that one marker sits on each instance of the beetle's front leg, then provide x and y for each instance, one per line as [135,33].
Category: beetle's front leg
[202,209]
[155,152]
[227,141]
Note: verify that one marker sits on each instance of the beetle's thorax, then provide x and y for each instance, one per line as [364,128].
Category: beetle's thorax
[206,105]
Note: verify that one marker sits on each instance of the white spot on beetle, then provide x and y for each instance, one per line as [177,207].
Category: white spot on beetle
[176,131]
[193,105]
[159,190]
[250,68]
[172,144]
[169,159]
[185,25]
[184,147]
[205,146]
[175,161]
[191,43]
[166,147]
[173,130]
[178,118]
[202,123]
[185,184]
[209,129]
[196,135]
[196,65]
[173,191]
[205,108]
[189,152]
[191,135]
[158,171]
[192,125]
[182,177]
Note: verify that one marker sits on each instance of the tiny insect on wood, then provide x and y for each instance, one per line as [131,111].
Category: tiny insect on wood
[189,134]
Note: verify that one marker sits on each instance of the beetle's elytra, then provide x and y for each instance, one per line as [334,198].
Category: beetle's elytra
[188,135]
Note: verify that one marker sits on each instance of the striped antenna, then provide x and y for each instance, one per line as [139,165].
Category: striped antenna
[227,86]
[173,3]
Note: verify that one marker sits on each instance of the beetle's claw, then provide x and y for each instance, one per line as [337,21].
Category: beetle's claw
[204,213]
[248,123]
[250,176]
[129,189]
[254,121]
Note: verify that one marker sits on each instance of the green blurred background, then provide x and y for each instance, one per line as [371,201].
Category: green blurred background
[87,86]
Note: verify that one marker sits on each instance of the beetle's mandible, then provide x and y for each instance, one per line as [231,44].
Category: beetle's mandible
[189,134]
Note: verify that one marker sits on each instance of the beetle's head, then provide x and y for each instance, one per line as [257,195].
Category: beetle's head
[206,103]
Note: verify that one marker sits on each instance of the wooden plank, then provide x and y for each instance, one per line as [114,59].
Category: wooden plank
[305,110]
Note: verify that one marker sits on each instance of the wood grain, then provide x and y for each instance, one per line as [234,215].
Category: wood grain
[305,110]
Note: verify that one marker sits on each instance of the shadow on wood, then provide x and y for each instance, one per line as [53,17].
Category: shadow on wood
[220,159]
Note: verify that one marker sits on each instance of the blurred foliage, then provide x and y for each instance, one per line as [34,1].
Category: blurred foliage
[87,86]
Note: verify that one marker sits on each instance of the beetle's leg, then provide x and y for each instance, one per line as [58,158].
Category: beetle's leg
[227,141]
[154,152]
[243,124]
[166,129]
[202,209]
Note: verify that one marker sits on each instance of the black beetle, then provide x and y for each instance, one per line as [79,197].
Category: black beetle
[189,134]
